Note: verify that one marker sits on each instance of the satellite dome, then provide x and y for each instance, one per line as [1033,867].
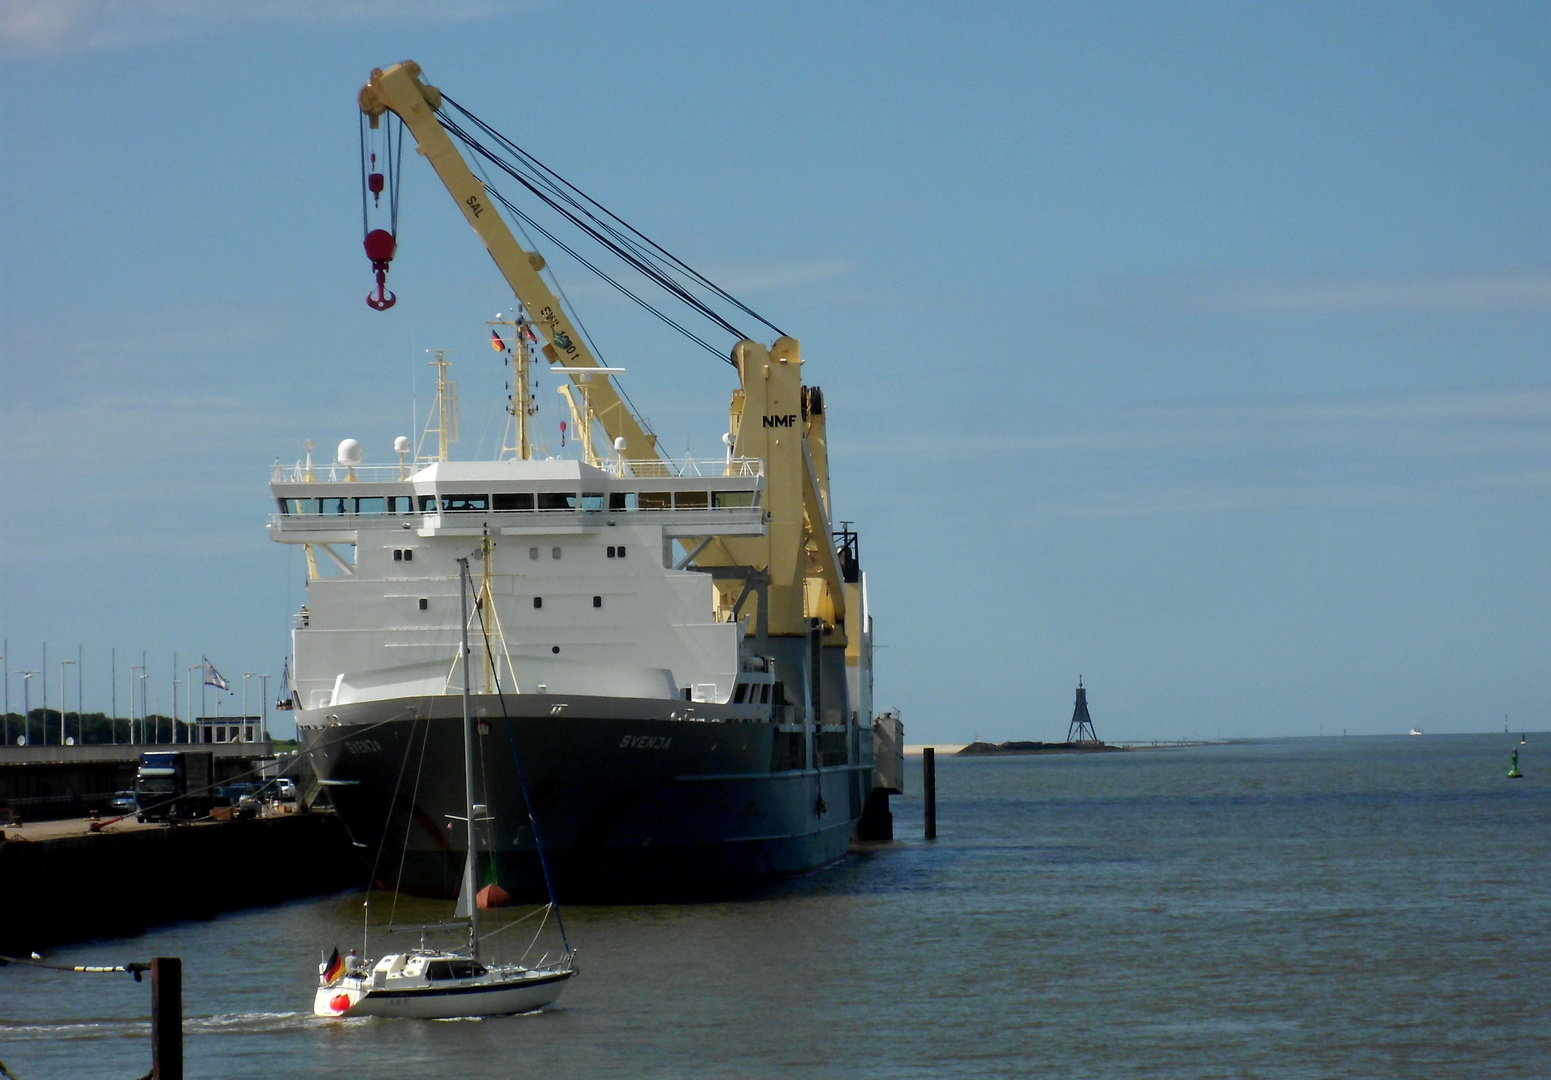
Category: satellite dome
[401,444]
[350,452]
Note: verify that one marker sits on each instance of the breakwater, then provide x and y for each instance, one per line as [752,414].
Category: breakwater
[63,888]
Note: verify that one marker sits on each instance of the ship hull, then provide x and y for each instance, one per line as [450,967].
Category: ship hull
[634,799]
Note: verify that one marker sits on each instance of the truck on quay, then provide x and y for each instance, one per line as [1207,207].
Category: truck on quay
[175,784]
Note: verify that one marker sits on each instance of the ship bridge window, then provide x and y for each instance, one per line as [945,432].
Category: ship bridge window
[335,506]
[463,503]
[691,500]
[557,500]
[296,506]
[592,500]
[622,500]
[655,500]
[728,500]
[508,501]
[401,504]
[374,504]
[428,504]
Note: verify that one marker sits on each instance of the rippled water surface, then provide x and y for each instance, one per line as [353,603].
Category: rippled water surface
[1373,907]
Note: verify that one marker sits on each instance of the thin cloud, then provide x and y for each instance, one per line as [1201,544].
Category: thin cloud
[1247,294]
[66,26]
[1493,293]
[1356,450]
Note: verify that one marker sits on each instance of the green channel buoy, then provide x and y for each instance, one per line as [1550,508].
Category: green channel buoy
[1513,767]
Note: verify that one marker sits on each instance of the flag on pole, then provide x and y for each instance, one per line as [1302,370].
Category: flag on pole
[335,968]
[527,332]
[496,343]
[214,678]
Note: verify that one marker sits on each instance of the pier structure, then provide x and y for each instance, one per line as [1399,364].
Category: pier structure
[43,783]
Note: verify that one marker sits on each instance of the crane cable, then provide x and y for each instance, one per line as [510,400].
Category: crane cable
[644,255]
[651,272]
[575,196]
[638,256]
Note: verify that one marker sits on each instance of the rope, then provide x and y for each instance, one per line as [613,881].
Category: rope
[522,782]
[134,969]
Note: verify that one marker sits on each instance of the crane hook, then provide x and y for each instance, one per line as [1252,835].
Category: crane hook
[380,246]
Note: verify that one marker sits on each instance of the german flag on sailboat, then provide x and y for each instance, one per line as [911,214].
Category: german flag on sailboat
[334,969]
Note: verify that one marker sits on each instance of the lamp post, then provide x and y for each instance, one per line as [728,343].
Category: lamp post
[189,697]
[246,675]
[80,696]
[145,704]
[62,665]
[26,703]
[263,708]
[133,686]
[5,655]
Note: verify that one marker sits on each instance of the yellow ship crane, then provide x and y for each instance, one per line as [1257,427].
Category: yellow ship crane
[399,90]
[793,568]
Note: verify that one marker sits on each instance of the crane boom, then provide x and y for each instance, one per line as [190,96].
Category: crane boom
[770,417]
[399,90]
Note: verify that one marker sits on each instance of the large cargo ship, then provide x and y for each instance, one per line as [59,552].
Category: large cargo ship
[672,661]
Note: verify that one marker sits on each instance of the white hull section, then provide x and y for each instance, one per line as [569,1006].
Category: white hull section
[497,995]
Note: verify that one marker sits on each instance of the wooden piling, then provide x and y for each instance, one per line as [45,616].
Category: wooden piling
[929,789]
[166,1018]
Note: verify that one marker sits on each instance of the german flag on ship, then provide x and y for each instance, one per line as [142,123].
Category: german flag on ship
[335,968]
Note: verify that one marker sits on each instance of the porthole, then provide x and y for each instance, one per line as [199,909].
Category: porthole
[409,555]
[424,603]
[398,554]
[554,648]
[621,551]
[597,601]
[533,553]
[555,553]
[611,552]
[538,601]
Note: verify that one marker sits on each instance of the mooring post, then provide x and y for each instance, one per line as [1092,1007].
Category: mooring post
[929,789]
[166,1018]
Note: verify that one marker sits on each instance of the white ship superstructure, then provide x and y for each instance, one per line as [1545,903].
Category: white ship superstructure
[583,577]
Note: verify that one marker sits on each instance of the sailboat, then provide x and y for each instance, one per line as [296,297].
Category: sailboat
[443,984]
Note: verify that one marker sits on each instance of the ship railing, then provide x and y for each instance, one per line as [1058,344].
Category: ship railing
[334,472]
[687,466]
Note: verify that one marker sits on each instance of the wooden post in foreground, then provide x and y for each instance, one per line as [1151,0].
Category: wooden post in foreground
[929,789]
[166,1018]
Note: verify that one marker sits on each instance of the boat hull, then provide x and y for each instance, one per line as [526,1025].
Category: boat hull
[503,998]
[633,798]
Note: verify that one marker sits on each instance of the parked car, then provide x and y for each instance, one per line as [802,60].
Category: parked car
[123,802]
[285,789]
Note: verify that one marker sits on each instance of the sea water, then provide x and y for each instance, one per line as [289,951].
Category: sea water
[1337,907]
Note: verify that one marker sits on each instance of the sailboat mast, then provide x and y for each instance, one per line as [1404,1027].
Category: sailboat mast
[470,868]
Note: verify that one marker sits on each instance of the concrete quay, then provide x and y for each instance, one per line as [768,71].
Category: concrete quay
[64,883]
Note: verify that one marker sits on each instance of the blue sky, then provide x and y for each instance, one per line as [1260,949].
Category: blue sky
[1200,352]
